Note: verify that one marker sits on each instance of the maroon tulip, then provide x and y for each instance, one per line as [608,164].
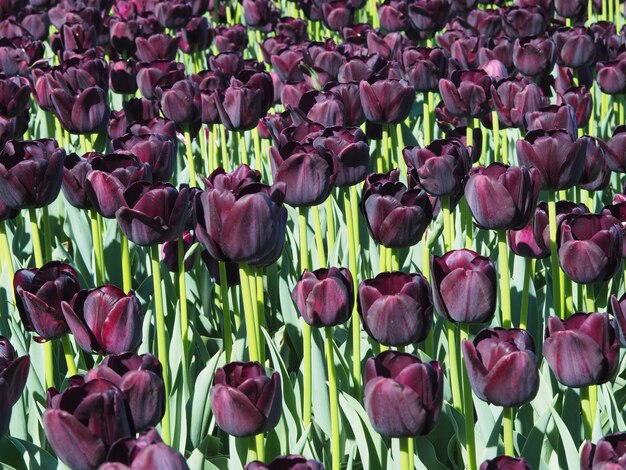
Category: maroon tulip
[582,350]
[467,92]
[153,149]
[75,170]
[513,98]
[403,395]
[149,75]
[169,253]
[541,228]
[156,47]
[386,101]
[38,296]
[122,35]
[392,15]
[429,15]
[260,13]
[104,320]
[611,77]
[13,374]
[239,107]
[575,47]
[504,462]
[520,22]
[464,286]
[502,366]
[522,242]
[580,100]
[324,297]
[84,113]
[396,308]
[608,453]
[123,78]
[180,102]
[423,67]
[615,150]
[396,217]
[569,8]
[349,150]
[244,400]
[596,173]
[618,308]
[172,14]
[231,39]
[288,462]
[534,56]
[552,118]
[14,96]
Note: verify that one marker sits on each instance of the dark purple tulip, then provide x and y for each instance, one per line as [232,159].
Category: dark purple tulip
[552,118]
[288,462]
[522,242]
[239,107]
[618,211]
[392,15]
[534,56]
[153,213]
[502,366]
[172,14]
[559,159]
[464,286]
[396,308]
[618,308]
[213,265]
[123,79]
[156,47]
[324,297]
[38,296]
[520,22]
[403,395]
[503,197]
[104,320]
[596,173]
[13,374]
[514,97]
[122,35]
[569,8]
[615,150]
[169,253]
[423,67]
[84,113]
[293,29]
[385,46]
[582,350]
[112,174]
[466,94]
[140,378]
[31,173]
[440,168]
[180,102]
[348,148]
[149,75]
[575,47]
[244,400]
[325,108]
[196,35]
[396,217]
[337,14]
[386,101]
[13,61]
[240,219]
[14,96]
[231,39]
[541,228]
[84,421]
[611,77]
[77,36]
[590,247]
[287,65]
[153,149]
[260,13]
[609,453]
[505,463]
[429,15]
[580,100]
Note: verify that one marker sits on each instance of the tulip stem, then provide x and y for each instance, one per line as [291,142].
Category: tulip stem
[529,269]
[426,118]
[319,241]
[505,287]
[509,448]
[47,236]
[447,233]
[97,247]
[585,404]
[127,281]
[161,338]
[554,257]
[248,309]
[184,319]
[243,149]
[5,251]
[404,453]
[468,406]
[495,130]
[227,332]
[330,223]
[259,314]
[190,162]
[334,400]
[453,354]
[224,149]
[69,356]
[350,202]
[306,328]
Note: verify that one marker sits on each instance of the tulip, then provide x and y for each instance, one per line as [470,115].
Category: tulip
[541,228]
[149,75]
[502,366]
[423,67]
[349,150]
[396,308]
[31,173]
[513,98]
[196,35]
[227,63]
[288,462]
[403,395]
[39,293]
[522,242]
[169,253]
[14,96]
[392,15]
[84,113]
[104,320]
[396,217]
[153,213]
[590,247]
[467,92]
[260,13]
[502,197]
[534,56]
[611,77]
[464,286]
[123,79]
[505,463]
[608,453]
[240,219]
[122,35]
[581,101]
[140,379]
[180,102]
[337,14]
[582,350]
[386,101]
[13,374]
[239,107]
[75,170]
[559,159]
[156,47]
[575,47]
[172,14]
[237,410]
[615,150]
[520,22]
[596,173]
[324,297]
[213,265]
[618,211]
[231,39]
[154,149]
[429,15]
[552,118]
[618,308]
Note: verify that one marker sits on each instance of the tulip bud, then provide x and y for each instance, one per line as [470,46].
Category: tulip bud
[575,47]
[156,47]
[581,101]
[596,173]
[522,243]
[386,101]
[611,77]
[403,395]
[608,453]
[13,374]
[156,72]
[123,79]
[288,462]
[534,56]
[239,107]
[75,170]
[513,98]
[429,15]
[615,150]
[159,151]
[423,67]
[239,412]
[84,113]
[552,118]
[467,93]
[231,38]
[618,308]
[464,286]
[582,350]
[392,15]
[349,150]
[505,463]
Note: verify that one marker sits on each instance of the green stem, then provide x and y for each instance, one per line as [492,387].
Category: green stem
[47,235]
[260,447]
[585,404]
[97,250]
[184,319]
[453,357]
[426,118]
[554,257]
[69,356]
[224,148]
[127,281]
[243,149]
[505,146]
[259,314]
[505,288]
[330,223]
[447,223]
[496,135]
[386,164]
[190,162]
[509,449]
[306,328]
[529,269]
[248,310]
[404,453]
[468,407]
[252,449]
[161,338]
[227,332]
[5,251]
[319,241]
[349,201]
[334,400]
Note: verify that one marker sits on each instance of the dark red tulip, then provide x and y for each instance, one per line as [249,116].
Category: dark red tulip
[348,148]
[31,173]
[590,247]
[559,159]
[502,366]
[396,217]
[288,462]
[13,61]
[596,173]
[84,421]
[231,39]
[123,79]
[514,97]
[38,296]
[502,197]
[105,320]
[244,400]
[13,374]
[325,108]
[464,286]
[403,395]
[608,453]
[324,297]
[156,47]
[522,242]
[239,107]
[552,118]
[611,77]
[151,74]
[240,219]
[428,15]
[534,56]
[575,47]
[582,350]
[140,378]
[541,228]
[615,150]
[169,253]
[618,211]
[153,149]
[466,94]
[505,463]
[84,113]
[423,67]
[396,308]
[386,101]
[77,36]
[287,65]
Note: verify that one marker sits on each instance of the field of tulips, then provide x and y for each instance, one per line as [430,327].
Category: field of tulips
[308,234]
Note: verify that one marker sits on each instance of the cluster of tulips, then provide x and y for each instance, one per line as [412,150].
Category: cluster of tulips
[329,186]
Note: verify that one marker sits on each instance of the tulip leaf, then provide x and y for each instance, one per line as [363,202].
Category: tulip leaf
[34,457]
[200,404]
[569,447]
[534,442]
[11,456]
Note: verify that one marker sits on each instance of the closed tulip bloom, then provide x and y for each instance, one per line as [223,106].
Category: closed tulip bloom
[502,197]
[541,228]
[31,173]
[505,463]
[172,14]
[618,211]
[180,102]
[348,148]
[239,107]
[75,170]
[423,67]
[105,320]
[615,149]
[396,217]
[608,453]
[534,56]
[13,374]
[502,366]
[582,350]
[84,113]
[569,8]
[84,421]
[123,78]
[157,150]
[429,15]
[467,92]
[38,296]
[14,96]
[552,118]
[156,47]
[464,286]
[396,308]
[590,247]
[611,77]
[122,35]
[596,173]
[231,38]
[520,22]
[150,74]
[244,400]
[325,108]
[575,47]
[386,101]
[618,308]
[403,395]
[393,15]
[337,15]
[559,159]
[514,97]
[324,297]
[288,462]
[259,13]
[440,168]
[580,100]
